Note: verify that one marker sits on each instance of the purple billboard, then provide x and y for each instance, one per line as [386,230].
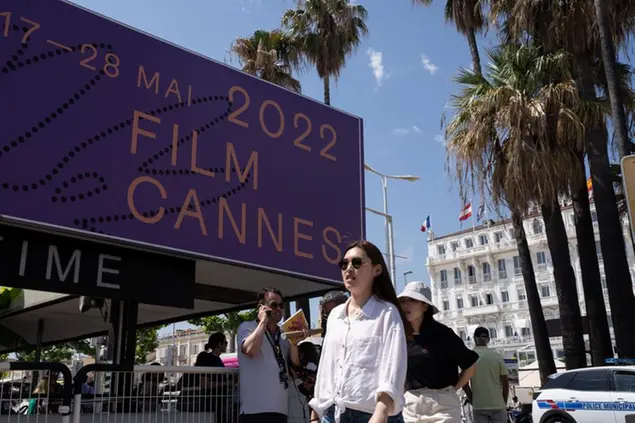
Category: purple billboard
[110,131]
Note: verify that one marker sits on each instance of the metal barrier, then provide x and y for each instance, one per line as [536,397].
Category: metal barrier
[156,394]
[32,391]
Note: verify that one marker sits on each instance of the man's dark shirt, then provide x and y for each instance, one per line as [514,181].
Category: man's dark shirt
[208,359]
[434,356]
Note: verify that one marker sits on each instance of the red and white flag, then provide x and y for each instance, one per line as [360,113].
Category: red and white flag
[466,213]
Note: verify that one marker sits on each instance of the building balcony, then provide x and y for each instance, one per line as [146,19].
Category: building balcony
[549,301]
[484,309]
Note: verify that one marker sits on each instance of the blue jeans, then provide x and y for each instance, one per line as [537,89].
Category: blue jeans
[354,416]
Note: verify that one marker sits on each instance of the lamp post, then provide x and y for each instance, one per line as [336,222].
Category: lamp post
[405,276]
[390,242]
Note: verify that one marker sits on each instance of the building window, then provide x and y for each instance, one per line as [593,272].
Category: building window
[594,217]
[537,226]
[541,259]
[443,276]
[441,250]
[522,296]
[194,349]
[471,274]
[498,237]
[603,280]
[512,234]
[457,276]
[489,299]
[474,300]
[469,243]
[492,333]
[446,305]
[598,249]
[505,296]
[183,350]
[487,272]
[509,331]
[518,270]
[545,291]
[482,239]
[502,271]
[454,246]
[525,332]
[459,303]
[462,335]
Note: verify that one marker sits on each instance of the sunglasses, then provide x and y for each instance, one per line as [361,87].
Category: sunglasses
[274,305]
[355,261]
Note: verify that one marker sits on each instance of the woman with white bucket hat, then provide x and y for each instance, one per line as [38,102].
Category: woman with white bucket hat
[435,353]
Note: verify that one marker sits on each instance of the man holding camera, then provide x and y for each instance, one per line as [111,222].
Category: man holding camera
[264,363]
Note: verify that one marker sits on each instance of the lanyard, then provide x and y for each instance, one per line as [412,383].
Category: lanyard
[277,350]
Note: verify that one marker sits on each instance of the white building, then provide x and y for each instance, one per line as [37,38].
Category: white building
[185,345]
[476,280]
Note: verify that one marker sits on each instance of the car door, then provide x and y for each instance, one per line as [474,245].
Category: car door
[588,397]
[624,394]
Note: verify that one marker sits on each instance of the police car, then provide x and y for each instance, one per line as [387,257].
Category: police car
[588,395]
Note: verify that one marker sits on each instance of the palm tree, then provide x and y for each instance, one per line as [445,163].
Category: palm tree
[327,31]
[530,106]
[467,16]
[611,70]
[562,25]
[270,55]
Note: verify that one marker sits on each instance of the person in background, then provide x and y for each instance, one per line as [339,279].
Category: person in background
[328,302]
[307,371]
[210,356]
[489,387]
[362,369]
[264,358]
[435,353]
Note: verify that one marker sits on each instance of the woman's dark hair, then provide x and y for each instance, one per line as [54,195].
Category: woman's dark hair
[308,353]
[215,340]
[382,284]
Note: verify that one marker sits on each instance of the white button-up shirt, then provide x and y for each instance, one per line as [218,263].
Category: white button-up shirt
[363,356]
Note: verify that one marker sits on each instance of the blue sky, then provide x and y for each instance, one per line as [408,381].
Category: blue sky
[398,81]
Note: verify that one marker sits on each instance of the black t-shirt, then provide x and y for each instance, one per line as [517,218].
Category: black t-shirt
[208,359]
[435,355]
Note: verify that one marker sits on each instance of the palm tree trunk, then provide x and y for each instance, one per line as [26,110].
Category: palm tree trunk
[568,302]
[476,58]
[327,90]
[616,270]
[544,354]
[610,69]
[599,335]
[304,305]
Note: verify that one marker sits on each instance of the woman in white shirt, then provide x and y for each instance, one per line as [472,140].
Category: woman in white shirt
[362,371]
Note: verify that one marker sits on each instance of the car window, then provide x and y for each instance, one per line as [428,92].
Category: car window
[590,380]
[624,381]
[558,380]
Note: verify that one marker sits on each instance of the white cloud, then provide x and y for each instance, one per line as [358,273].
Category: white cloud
[440,139]
[414,129]
[428,65]
[376,63]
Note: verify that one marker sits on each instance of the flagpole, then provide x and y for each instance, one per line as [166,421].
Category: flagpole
[473,223]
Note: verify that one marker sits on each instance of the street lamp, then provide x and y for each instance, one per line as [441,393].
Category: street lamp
[390,242]
[405,276]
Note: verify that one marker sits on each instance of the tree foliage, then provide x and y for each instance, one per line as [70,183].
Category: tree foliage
[227,322]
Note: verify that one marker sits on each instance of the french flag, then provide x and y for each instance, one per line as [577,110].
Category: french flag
[426,224]
[466,213]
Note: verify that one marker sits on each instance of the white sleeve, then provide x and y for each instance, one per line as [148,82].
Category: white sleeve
[394,359]
[244,330]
